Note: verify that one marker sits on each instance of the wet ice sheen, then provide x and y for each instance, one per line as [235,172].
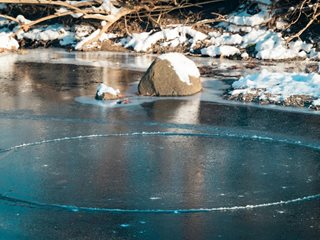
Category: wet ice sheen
[212,134]
[102,166]
[216,132]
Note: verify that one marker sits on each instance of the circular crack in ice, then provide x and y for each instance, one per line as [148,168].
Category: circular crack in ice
[72,208]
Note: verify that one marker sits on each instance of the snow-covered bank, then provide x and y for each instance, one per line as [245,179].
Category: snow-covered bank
[241,34]
[8,42]
[296,89]
[169,37]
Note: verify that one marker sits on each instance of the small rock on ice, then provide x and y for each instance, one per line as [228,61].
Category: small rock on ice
[105,92]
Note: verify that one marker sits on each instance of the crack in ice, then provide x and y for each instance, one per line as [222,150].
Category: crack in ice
[217,134]
[71,208]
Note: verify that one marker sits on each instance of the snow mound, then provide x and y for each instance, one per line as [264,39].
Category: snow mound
[182,65]
[214,51]
[316,103]
[172,37]
[243,18]
[281,85]
[22,19]
[8,42]
[50,33]
[246,32]
[102,88]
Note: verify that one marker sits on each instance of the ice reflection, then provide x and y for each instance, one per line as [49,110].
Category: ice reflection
[165,172]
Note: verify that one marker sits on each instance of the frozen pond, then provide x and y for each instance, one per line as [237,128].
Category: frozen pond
[198,167]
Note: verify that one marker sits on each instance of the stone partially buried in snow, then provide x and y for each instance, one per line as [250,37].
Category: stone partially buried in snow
[171,74]
[105,92]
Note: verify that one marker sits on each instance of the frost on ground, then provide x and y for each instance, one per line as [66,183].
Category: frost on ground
[293,89]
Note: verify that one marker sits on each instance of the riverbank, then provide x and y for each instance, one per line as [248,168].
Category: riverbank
[243,35]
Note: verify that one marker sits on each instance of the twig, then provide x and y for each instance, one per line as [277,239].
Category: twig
[9,18]
[122,12]
[314,17]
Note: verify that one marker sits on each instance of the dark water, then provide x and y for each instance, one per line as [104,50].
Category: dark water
[166,169]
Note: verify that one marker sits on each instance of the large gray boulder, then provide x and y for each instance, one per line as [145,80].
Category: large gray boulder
[171,74]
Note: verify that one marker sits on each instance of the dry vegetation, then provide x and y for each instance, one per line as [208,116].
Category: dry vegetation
[302,16]
[151,13]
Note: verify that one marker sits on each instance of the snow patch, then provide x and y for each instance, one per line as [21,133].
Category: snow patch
[266,2]
[214,51]
[316,102]
[50,33]
[282,85]
[227,39]
[68,39]
[109,7]
[182,65]
[172,37]
[22,19]
[102,88]
[242,18]
[8,42]
[266,43]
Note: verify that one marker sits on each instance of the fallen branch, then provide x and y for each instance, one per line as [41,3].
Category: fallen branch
[122,12]
[315,15]
[75,7]
[153,10]
[9,18]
